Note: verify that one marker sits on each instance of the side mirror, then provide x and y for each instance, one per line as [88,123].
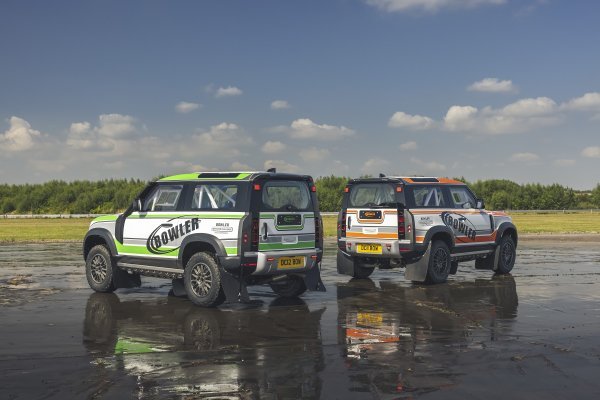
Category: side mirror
[480,204]
[137,205]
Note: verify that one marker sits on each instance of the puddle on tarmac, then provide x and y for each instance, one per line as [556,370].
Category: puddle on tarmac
[382,337]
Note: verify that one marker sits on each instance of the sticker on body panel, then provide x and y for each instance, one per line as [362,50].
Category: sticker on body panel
[459,223]
[169,232]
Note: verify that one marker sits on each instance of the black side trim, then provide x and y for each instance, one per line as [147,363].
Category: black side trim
[457,250]
[151,261]
[104,234]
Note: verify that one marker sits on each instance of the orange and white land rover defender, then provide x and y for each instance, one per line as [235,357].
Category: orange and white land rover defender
[426,225]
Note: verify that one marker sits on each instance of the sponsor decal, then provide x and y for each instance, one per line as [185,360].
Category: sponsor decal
[427,221]
[169,232]
[459,223]
[222,227]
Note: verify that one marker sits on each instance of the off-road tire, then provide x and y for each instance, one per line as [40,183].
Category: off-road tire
[507,256]
[294,286]
[202,280]
[100,269]
[361,271]
[439,263]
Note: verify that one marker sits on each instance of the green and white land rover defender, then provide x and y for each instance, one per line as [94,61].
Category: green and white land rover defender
[213,234]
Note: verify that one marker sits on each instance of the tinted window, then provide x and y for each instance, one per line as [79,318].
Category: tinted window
[462,198]
[163,198]
[286,196]
[215,197]
[427,196]
[372,195]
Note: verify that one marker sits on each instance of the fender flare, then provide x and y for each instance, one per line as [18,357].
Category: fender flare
[105,235]
[214,241]
[439,229]
[502,228]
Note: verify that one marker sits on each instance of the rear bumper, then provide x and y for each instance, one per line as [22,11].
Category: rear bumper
[268,262]
[389,248]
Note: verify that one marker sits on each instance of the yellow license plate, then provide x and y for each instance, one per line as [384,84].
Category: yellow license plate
[368,248]
[291,262]
[369,319]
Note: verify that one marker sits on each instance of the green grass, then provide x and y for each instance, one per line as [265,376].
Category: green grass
[43,229]
[74,229]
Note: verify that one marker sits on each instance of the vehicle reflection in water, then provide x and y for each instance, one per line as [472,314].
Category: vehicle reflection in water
[401,340]
[175,349]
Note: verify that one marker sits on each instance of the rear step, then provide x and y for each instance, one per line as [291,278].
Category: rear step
[150,270]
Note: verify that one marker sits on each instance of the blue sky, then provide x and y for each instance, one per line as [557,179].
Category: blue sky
[475,88]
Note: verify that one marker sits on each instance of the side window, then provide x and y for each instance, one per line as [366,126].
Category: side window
[462,198]
[163,198]
[428,196]
[215,197]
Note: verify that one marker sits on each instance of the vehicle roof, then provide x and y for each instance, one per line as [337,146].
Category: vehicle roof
[230,176]
[410,180]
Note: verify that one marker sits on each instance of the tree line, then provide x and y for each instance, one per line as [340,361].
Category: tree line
[114,195]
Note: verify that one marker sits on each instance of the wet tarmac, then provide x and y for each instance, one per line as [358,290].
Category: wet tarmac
[532,335]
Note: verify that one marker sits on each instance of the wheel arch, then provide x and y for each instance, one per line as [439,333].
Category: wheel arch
[507,228]
[200,242]
[443,233]
[98,236]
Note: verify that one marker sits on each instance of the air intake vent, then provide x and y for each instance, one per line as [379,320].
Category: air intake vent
[217,175]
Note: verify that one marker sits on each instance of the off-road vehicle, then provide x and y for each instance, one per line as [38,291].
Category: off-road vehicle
[426,225]
[212,233]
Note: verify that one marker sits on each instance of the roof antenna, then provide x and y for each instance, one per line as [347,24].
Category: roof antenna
[381,175]
[272,170]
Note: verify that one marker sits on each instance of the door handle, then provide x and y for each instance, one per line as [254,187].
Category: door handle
[166,225]
[266,233]
[349,223]
[462,218]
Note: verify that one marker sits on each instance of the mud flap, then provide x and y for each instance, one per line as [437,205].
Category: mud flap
[178,288]
[453,267]
[345,264]
[312,279]
[125,280]
[417,272]
[234,288]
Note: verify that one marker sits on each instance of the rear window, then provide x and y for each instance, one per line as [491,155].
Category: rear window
[286,196]
[372,195]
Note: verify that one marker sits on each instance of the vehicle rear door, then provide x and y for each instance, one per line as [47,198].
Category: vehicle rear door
[287,216]
[372,213]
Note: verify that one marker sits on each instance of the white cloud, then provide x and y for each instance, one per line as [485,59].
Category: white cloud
[524,157]
[563,162]
[225,139]
[587,102]
[374,166]
[314,154]
[112,131]
[520,116]
[184,107]
[414,122]
[280,105]
[19,136]
[238,166]
[428,166]
[305,128]
[591,152]
[411,145]
[229,91]
[273,147]
[493,85]
[428,5]
[281,166]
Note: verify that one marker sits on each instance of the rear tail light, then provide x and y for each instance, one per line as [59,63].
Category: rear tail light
[342,225]
[254,235]
[317,231]
[401,225]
